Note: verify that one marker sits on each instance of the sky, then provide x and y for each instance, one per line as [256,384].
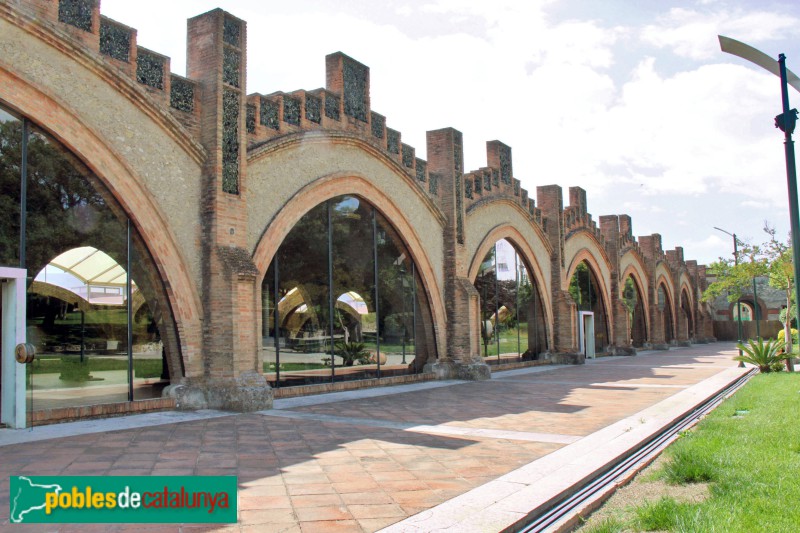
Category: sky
[631,100]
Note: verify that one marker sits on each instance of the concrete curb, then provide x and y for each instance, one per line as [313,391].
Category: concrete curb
[509,502]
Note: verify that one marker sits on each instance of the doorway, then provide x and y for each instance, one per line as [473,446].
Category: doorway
[12,374]
[586,333]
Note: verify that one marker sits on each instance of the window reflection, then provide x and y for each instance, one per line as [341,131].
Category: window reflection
[77,242]
[324,319]
[513,325]
[587,295]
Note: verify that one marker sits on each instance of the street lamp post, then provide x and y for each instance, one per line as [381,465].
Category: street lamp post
[738,300]
[786,122]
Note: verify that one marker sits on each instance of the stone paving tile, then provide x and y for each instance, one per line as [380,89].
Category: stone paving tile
[317,475]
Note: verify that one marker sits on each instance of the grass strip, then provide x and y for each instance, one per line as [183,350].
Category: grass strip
[748,450]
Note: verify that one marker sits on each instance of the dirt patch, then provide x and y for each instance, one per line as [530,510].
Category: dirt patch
[644,488]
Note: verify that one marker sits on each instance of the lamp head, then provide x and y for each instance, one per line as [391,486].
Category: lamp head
[786,121]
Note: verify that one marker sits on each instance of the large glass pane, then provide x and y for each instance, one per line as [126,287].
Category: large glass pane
[666,308]
[355,326]
[76,257]
[533,322]
[149,312]
[508,336]
[485,285]
[10,182]
[513,323]
[303,303]
[396,288]
[270,335]
[585,291]
[371,336]
[632,299]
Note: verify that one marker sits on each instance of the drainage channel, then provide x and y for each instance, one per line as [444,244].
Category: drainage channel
[627,465]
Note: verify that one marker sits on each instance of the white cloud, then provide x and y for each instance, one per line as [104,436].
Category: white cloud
[574,98]
[693,34]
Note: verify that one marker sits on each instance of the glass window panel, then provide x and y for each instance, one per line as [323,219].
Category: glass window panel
[303,304]
[269,351]
[396,285]
[10,183]
[367,334]
[354,289]
[506,333]
[76,317]
[149,313]
[485,285]
[585,291]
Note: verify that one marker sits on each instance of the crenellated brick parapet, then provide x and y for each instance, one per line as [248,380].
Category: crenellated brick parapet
[496,181]
[115,44]
[577,218]
[342,106]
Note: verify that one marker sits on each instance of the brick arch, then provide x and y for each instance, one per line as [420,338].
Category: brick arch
[637,272]
[663,277]
[130,192]
[338,184]
[523,247]
[686,287]
[686,284]
[587,255]
[590,257]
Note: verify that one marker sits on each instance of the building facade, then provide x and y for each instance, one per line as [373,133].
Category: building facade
[186,242]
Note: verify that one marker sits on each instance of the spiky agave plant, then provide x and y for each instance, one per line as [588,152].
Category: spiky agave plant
[762,354]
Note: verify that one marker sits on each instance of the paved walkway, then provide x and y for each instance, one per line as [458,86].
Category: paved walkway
[459,456]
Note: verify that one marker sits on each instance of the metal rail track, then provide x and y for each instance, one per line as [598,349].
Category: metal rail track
[626,465]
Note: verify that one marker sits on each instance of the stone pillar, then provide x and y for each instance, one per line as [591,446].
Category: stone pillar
[565,312]
[463,360]
[231,378]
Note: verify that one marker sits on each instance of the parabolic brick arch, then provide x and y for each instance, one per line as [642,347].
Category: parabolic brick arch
[274,234]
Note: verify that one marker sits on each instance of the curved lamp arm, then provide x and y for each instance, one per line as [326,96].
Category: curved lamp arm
[745,51]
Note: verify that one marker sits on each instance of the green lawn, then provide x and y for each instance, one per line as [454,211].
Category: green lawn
[72,367]
[508,342]
[748,450]
[289,367]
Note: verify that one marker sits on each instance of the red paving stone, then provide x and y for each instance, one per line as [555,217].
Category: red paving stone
[324,474]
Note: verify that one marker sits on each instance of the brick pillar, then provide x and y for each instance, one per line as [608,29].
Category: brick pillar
[565,312]
[498,155]
[677,268]
[216,59]
[463,360]
[704,319]
[651,250]
[691,269]
[620,332]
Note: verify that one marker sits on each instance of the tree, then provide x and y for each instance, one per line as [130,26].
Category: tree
[773,259]
[781,277]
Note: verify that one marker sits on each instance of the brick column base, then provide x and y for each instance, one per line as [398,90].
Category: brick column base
[456,370]
[248,392]
[623,350]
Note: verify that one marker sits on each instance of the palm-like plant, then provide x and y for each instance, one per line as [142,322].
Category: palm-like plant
[765,355]
[351,352]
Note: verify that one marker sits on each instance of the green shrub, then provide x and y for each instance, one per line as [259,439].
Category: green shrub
[686,466]
[607,525]
[761,354]
[352,352]
[782,335]
[665,514]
